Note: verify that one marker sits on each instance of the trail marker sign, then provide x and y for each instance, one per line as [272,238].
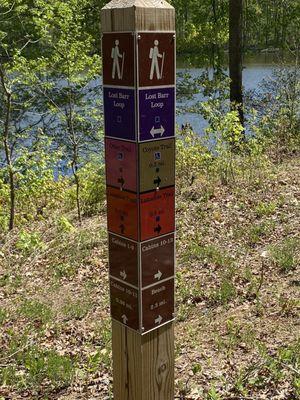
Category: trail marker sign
[138,52]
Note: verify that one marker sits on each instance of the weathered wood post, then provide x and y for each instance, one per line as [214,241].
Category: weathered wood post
[138,49]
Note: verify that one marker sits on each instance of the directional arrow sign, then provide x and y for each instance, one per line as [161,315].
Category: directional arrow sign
[159,131]
[156,113]
[123,275]
[158,275]
[124,319]
[157,181]
[158,303]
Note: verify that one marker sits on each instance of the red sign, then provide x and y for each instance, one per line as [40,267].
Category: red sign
[124,304]
[121,161]
[157,213]
[157,259]
[156,59]
[158,305]
[122,215]
[118,59]
[123,259]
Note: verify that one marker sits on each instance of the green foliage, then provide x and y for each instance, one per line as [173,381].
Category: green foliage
[259,231]
[286,255]
[264,209]
[3,315]
[213,394]
[34,310]
[64,270]
[93,187]
[77,309]
[192,157]
[208,254]
[203,28]
[226,291]
[272,367]
[33,365]
[28,242]
[64,225]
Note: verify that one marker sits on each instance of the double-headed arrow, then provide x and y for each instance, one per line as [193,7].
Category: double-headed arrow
[159,131]
[158,320]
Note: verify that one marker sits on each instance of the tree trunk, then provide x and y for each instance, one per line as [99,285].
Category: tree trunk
[7,150]
[236,56]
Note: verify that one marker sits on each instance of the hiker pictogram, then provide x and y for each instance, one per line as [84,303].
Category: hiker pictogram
[117,57]
[155,55]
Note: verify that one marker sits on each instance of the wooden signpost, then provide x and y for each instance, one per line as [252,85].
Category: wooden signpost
[138,49]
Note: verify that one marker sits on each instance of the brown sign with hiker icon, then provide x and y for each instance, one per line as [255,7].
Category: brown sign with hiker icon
[156,59]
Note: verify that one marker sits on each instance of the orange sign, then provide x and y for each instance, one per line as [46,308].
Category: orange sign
[122,216]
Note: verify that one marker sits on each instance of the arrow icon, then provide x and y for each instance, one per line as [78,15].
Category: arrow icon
[157,181]
[125,319]
[122,227]
[158,320]
[123,275]
[160,130]
[158,229]
[158,275]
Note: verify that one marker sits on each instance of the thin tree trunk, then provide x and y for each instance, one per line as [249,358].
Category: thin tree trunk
[236,56]
[7,150]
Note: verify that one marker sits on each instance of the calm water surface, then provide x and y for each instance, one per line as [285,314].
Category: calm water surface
[256,69]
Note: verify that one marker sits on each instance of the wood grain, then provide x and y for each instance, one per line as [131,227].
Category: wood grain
[143,365]
[138,15]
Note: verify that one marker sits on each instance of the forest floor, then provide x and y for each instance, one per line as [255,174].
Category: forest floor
[237,294]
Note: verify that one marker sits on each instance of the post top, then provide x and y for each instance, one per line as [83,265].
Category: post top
[120,4]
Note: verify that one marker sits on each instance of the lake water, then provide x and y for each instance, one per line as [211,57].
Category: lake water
[256,69]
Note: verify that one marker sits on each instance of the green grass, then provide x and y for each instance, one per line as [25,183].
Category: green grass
[265,209]
[34,310]
[286,255]
[77,309]
[271,369]
[207,254]
[32,366]
[63,270]
[3,315]
[260,231]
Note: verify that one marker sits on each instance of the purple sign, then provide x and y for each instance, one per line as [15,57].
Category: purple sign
[119,111]
[157,113]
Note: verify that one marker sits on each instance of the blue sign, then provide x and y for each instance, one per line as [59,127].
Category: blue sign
[156,113]
[119,111]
